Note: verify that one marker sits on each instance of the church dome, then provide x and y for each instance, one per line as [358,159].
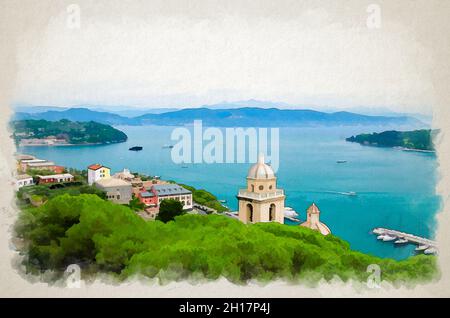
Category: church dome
[260,170]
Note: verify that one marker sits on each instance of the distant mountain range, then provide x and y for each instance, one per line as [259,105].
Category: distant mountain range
[231,117]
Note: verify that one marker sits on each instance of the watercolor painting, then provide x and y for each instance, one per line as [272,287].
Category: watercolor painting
[198,149]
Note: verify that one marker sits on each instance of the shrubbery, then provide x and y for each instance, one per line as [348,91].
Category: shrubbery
[205,198]
[102,236]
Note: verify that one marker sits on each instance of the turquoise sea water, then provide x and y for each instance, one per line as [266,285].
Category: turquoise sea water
[395,189]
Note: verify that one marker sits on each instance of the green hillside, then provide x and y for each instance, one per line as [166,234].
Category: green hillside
[416,139]
[72,132]
[105,237]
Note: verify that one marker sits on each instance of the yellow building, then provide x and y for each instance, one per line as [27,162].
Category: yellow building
[261,201]
[313,220]
[97,172]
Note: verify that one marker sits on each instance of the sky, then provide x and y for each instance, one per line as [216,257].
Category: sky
[317,60]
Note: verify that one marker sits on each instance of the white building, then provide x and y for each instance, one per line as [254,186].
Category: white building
[117,190]
[56,178]
[175,192]
[97,172]
[124,175]
[23,180]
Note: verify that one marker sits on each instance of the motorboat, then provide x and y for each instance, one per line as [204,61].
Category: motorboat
[377,231]
[421,248]
[388,238]
[430,251]
[401,241]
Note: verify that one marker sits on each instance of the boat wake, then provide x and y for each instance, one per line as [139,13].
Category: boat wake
[350,193]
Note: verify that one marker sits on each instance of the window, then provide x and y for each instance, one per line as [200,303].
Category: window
[272,212]
[261,187]
[250,212]
[270,187]
[253,188]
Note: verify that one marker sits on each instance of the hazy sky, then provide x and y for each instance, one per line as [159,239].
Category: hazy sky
[316,59]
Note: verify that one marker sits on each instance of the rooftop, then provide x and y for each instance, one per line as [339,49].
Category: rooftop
[147,194]
[260,170]
[96,166]
[34,160]
[40,164]
[62,175]
[112,182]
[170,189]
[23,177]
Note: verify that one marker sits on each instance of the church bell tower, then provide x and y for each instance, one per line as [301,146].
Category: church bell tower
[261,201]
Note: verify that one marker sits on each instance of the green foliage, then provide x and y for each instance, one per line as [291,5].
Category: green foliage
[54,190]
[205,198]
[169,209]
[135,204]
[39,172]
[417,139]
[107,237]
[73,132]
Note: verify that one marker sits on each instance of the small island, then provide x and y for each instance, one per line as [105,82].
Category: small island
[417,140]
[64,133]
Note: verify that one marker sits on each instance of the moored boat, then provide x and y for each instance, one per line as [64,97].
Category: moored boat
[401,241]
[388,238]
[430,251]
[421,248]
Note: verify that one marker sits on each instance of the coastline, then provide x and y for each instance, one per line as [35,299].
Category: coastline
[65,145]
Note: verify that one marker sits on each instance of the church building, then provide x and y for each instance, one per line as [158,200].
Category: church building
[261,201]
[313,220]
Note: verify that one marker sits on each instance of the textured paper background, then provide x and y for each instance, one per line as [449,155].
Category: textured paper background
[24,25]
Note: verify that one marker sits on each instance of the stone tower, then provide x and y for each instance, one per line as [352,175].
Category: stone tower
[261,201]
[313,220]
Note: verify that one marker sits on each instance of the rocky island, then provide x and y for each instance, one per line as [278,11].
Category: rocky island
[419,140]
[64,133]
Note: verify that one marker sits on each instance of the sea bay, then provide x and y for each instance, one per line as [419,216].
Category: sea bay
[395,189]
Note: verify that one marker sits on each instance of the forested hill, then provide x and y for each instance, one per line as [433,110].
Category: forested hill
[72,132]
[416,139]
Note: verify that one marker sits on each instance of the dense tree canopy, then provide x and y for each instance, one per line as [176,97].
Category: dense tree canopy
[73,132]
[417,139]
[169,209]
[102,236]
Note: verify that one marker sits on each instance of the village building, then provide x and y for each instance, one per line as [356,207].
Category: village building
[46,165]
[313,220]
[55,178]
[261,201]
[21,157]
[149,198]
[117,190]
[173,191]
[98,172]
[23,180]
[23,164]
[125,175]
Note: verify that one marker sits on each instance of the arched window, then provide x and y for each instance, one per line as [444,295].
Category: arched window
[253,188]
[272,212]
[250,212]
